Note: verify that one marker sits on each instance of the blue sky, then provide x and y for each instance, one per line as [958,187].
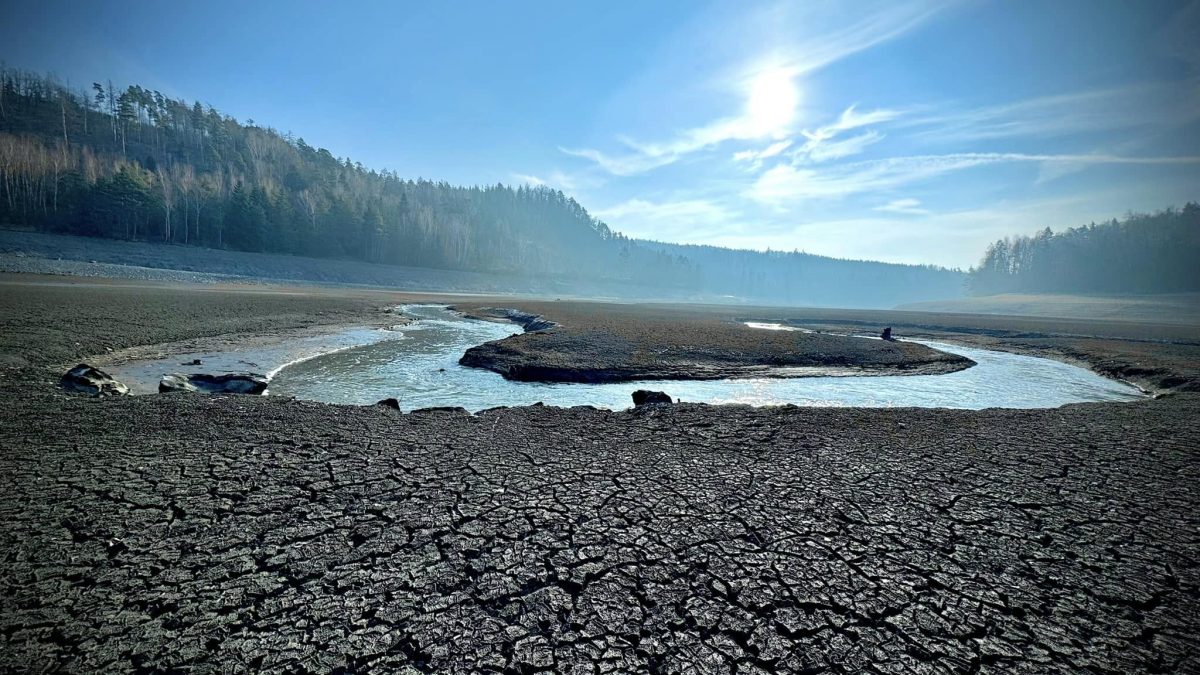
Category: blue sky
[910,132]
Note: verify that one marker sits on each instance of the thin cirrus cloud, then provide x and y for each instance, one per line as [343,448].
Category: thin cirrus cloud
[757,156]
[528,179]
[908,206]
[786,183]
[554,179]
[683,221]
[788,170]
[1159,105]
[819,140]
[825,151]
[769,109]
[768,91]
[821,144]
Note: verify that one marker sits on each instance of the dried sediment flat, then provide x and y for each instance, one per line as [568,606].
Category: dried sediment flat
[613,343]
[230,532]
[218,532]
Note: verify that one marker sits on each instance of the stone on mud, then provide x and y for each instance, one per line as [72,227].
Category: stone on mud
[532,323]
[87,379]
[646,397]
[225,383]
[456,410]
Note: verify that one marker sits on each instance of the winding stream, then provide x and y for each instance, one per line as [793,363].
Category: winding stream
[419,367]
[417,364]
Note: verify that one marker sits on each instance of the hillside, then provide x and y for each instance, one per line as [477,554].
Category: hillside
[133,164]
[1144,253]
[804,279]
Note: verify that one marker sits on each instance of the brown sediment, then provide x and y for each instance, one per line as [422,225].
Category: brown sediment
[1158,357]
[593,343]
[184,532]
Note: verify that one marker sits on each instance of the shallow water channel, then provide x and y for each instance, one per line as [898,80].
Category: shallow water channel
[418,365]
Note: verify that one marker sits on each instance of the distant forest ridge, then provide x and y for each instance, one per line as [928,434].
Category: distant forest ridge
[1144,253]
[134,164]
[780,276]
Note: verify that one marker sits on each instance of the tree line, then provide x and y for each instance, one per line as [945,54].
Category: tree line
[131,163]
[798,278]
[1143,253]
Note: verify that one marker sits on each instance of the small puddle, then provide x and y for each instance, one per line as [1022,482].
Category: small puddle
[266,357]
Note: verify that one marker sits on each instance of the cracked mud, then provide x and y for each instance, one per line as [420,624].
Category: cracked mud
[293,536]
[227,533]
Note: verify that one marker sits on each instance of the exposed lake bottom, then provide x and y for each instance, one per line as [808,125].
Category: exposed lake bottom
[418,366]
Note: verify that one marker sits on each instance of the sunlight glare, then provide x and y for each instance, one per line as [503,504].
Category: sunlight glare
[771,104]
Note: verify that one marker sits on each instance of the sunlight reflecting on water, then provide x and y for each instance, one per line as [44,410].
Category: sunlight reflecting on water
[419,367]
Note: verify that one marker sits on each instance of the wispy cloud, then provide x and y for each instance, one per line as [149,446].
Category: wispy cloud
[768,112]
[686,220]
[872,27]
[766,86]
[821,144]
[906,206]
[554,179]
[849,120]
[756,157]
[1138,105]
[786,183]
[847,147]
[954,238]
[528,179]
[629,164]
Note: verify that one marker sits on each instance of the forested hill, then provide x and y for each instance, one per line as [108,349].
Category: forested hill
[134,164]
[804,279]
[1144,253]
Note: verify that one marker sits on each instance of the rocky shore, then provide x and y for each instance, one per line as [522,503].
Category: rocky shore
[618,343]
[184,531]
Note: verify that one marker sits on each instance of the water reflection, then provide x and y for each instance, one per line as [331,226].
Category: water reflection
[420,368]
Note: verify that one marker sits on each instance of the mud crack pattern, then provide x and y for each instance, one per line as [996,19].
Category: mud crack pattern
[215,533]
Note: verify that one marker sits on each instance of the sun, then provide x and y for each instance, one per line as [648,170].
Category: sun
[771,103]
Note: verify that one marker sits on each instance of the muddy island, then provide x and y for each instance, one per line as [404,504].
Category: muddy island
[631,342]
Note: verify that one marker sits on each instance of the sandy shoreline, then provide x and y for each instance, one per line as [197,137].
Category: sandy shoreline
[205,532]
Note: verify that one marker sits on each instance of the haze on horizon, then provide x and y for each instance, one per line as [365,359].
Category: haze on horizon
[914,132]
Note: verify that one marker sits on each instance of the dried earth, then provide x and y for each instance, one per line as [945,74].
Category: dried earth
[595,342]
[217,533]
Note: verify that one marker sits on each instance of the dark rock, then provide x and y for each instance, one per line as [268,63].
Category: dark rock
[225,383]
[389,403]
[443,409]
[88,380]
[887,334]
[646,397]
[532,323]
